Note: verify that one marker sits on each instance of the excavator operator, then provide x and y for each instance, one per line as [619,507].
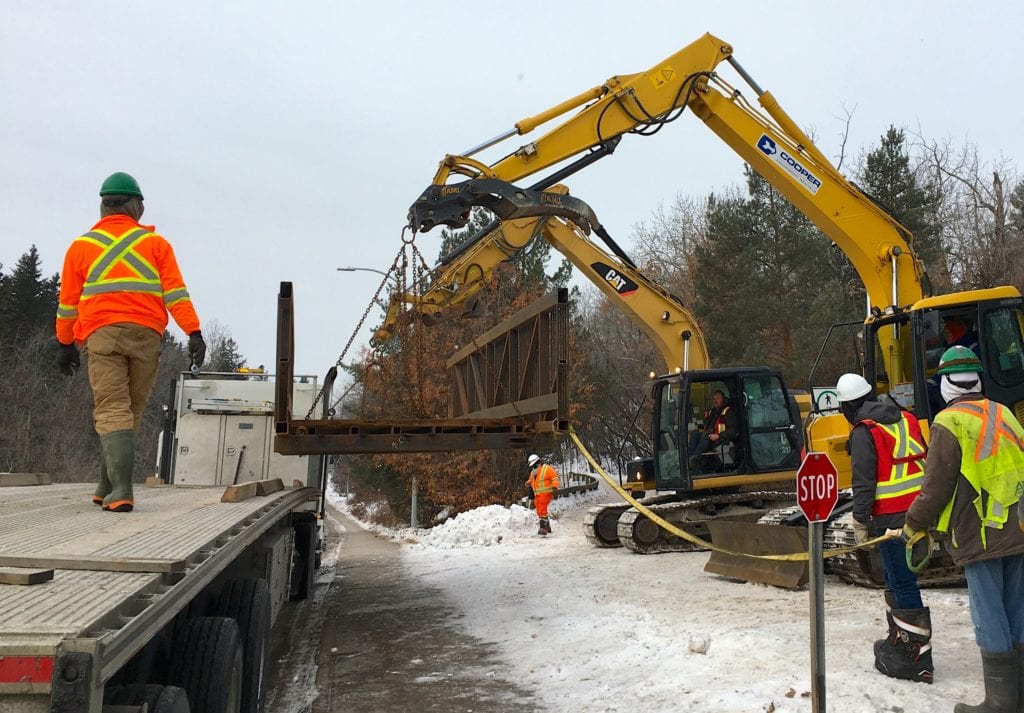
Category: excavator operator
[720,427]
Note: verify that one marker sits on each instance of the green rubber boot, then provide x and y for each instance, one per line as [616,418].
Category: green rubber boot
[1002,677]
[104,488]
[119,455]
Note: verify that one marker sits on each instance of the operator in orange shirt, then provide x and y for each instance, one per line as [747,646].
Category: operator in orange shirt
[118,283]
[543,481]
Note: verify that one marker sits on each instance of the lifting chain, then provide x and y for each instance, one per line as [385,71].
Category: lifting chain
[400,259]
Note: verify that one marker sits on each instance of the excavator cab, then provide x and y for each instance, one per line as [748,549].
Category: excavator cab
[992,326]
[751,412]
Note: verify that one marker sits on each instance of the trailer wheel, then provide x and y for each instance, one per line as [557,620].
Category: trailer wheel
[247,601]
[207,663]
[304,560]
[158,699]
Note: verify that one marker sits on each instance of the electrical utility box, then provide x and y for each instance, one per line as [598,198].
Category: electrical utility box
[223,430]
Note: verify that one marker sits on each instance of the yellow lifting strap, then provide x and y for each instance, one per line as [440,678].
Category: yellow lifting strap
[653,517]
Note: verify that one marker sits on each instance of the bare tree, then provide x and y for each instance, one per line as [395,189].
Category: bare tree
[981,245]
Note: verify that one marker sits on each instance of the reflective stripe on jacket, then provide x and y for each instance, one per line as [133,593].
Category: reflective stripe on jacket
[119,272]
[543,479]
[720,426]
[899,452]
[991,460]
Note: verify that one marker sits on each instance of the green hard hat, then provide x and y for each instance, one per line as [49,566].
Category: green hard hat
[959,360]
[120,184]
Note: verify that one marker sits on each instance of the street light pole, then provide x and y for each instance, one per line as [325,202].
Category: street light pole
[366,269]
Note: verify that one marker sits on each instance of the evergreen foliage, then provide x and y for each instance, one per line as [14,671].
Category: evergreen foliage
[766,280]
[46,423]
[888,178]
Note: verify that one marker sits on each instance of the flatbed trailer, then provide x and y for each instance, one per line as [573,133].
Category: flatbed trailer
[172,600]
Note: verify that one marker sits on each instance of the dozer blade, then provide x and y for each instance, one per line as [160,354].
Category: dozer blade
[758,540]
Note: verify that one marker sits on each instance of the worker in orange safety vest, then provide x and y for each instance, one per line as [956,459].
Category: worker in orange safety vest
[117,285]
[543,481]
[887,452]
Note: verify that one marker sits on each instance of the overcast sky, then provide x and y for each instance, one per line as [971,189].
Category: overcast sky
[277,141]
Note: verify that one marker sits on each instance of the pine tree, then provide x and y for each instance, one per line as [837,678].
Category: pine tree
[224,356]
[768,283]
[27,300]
[887,177]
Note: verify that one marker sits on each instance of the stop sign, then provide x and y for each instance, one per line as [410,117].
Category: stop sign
[817,486]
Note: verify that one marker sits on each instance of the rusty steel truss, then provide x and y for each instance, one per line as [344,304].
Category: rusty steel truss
[507,390]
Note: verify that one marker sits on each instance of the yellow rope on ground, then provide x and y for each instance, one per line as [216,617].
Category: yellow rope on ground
[664,524]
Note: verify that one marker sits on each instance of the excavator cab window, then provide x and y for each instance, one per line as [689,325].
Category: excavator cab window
[1003,352]
[774,434]
[890,364]
[669,455]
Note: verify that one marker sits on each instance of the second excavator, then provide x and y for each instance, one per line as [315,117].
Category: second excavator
[901,336]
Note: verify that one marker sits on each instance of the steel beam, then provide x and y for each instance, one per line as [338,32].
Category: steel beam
[507,390]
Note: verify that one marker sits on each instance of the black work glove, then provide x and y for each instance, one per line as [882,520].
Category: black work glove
[67,359]
[196,348]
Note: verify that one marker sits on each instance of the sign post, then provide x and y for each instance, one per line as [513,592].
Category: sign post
[817,490]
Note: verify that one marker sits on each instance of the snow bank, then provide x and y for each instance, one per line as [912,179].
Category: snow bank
[598,630]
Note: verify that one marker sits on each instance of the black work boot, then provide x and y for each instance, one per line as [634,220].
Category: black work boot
[1002,684]
[893,636]
[544,528]
[911,657]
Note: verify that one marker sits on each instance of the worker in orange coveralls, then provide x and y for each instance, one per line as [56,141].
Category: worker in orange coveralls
[543,481]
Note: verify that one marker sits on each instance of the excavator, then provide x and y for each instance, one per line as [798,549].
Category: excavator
[729,481]
[901,337]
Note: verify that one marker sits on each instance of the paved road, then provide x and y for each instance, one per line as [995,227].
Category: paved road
[372,640]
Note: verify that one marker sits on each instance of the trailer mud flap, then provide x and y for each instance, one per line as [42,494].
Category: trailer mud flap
[757,539]
[71,683]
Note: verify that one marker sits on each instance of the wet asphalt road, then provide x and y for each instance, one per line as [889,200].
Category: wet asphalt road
[370,639]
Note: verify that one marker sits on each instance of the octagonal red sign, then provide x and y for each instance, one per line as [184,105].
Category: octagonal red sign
[817,486]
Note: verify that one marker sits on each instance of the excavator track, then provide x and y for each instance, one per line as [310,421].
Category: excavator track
[864,567]
[639,534]
[600,524]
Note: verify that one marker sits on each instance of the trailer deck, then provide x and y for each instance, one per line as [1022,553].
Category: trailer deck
[117,576]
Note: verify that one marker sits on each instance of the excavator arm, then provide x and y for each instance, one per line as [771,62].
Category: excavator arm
[565,223]
[766,138]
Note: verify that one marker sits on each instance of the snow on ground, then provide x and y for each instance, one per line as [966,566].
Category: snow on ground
[592,629]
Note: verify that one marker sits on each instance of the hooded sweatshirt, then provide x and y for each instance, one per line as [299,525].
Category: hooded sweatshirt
[864,458]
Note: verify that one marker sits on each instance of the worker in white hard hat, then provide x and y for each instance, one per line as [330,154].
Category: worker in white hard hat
[543,481]
[887,452]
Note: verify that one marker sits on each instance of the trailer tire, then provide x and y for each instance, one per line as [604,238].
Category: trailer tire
[207,663]
[158,699]
[304,560]
[247,601]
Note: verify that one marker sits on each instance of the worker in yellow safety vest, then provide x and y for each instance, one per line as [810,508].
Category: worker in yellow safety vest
[974,478]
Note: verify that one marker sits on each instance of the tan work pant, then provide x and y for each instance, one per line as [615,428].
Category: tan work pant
[122,366]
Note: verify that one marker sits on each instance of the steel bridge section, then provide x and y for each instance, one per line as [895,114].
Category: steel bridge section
[508,390]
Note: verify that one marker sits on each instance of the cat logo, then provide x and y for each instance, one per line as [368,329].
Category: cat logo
[450,190]
[619,282]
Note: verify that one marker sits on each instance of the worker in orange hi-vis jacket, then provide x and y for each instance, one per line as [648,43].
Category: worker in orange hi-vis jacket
[117,285]
[543,481]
